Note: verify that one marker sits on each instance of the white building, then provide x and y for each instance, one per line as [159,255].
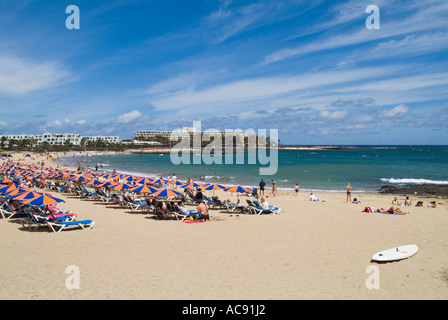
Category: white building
[150,134]
[58,138]
[186,132]
[107,139]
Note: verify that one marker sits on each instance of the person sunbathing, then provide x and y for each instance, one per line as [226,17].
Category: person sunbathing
[15,205]
[432,204]
[394,210]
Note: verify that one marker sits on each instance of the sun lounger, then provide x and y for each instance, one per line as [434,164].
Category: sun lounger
[184,214]
[234,207]
[32,220]
[8,213]
[57,225]
[104,196]
[255,209]
[134,205]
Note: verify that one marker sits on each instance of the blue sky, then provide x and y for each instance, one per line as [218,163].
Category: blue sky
[310,69]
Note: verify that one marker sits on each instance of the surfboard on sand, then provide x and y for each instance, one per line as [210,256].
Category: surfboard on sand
[397,253]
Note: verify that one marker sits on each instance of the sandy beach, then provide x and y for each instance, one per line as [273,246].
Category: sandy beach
[311,250]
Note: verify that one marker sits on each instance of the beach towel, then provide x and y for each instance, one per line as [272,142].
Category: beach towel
[193,221]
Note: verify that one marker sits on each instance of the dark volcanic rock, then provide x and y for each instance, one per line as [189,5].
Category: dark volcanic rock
[429,190]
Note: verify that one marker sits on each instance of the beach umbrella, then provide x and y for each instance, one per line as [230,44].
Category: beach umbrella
[166,193]
[143,189]
[26,195]
[214,187]
[63,176]
[191,185]
[176,182]
[107,175]
[42,199]
[144,180]
[161,181]
[6,187]
[6,181]
[120,186]
[78,178]
[238,189]
[92,182]
[106,184]
[13,192]
[130,178]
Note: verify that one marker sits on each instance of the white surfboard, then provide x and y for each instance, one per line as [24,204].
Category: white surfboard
[397,253]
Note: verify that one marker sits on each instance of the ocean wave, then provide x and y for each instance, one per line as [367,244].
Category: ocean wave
[413,181]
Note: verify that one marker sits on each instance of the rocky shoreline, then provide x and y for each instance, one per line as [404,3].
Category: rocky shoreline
[424,190]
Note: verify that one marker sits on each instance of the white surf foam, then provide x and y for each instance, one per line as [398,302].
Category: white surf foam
[413,181]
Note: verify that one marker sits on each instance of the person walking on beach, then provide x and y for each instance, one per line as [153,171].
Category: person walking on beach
[274,188]
[349,192]
[296,189]
[261,186]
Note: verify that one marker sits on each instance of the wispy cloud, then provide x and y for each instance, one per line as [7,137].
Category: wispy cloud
[421,18]
[260,88]
[18,76]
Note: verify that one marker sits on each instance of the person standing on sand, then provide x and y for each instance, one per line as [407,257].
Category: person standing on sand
[349,192]
[261,186]
[296,189]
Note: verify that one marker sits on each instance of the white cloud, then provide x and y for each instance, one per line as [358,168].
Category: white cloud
[397,112]
[227,22]
[20,77]
[257,90]
[424,19]
[129,117]
[335,115]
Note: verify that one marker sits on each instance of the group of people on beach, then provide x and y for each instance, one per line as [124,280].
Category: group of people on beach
[262,185]
[394,209]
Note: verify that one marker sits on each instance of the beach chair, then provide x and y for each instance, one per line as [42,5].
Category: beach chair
[87,193]
[61,216]
[230,206]
[103,196]
[135,205]
[184,214]
[147,206]
[32,219]
[255,209]
[8,213]
[57,225]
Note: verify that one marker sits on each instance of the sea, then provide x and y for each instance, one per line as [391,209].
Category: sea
[366,168]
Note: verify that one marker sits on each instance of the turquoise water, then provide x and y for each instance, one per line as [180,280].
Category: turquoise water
[365,168]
